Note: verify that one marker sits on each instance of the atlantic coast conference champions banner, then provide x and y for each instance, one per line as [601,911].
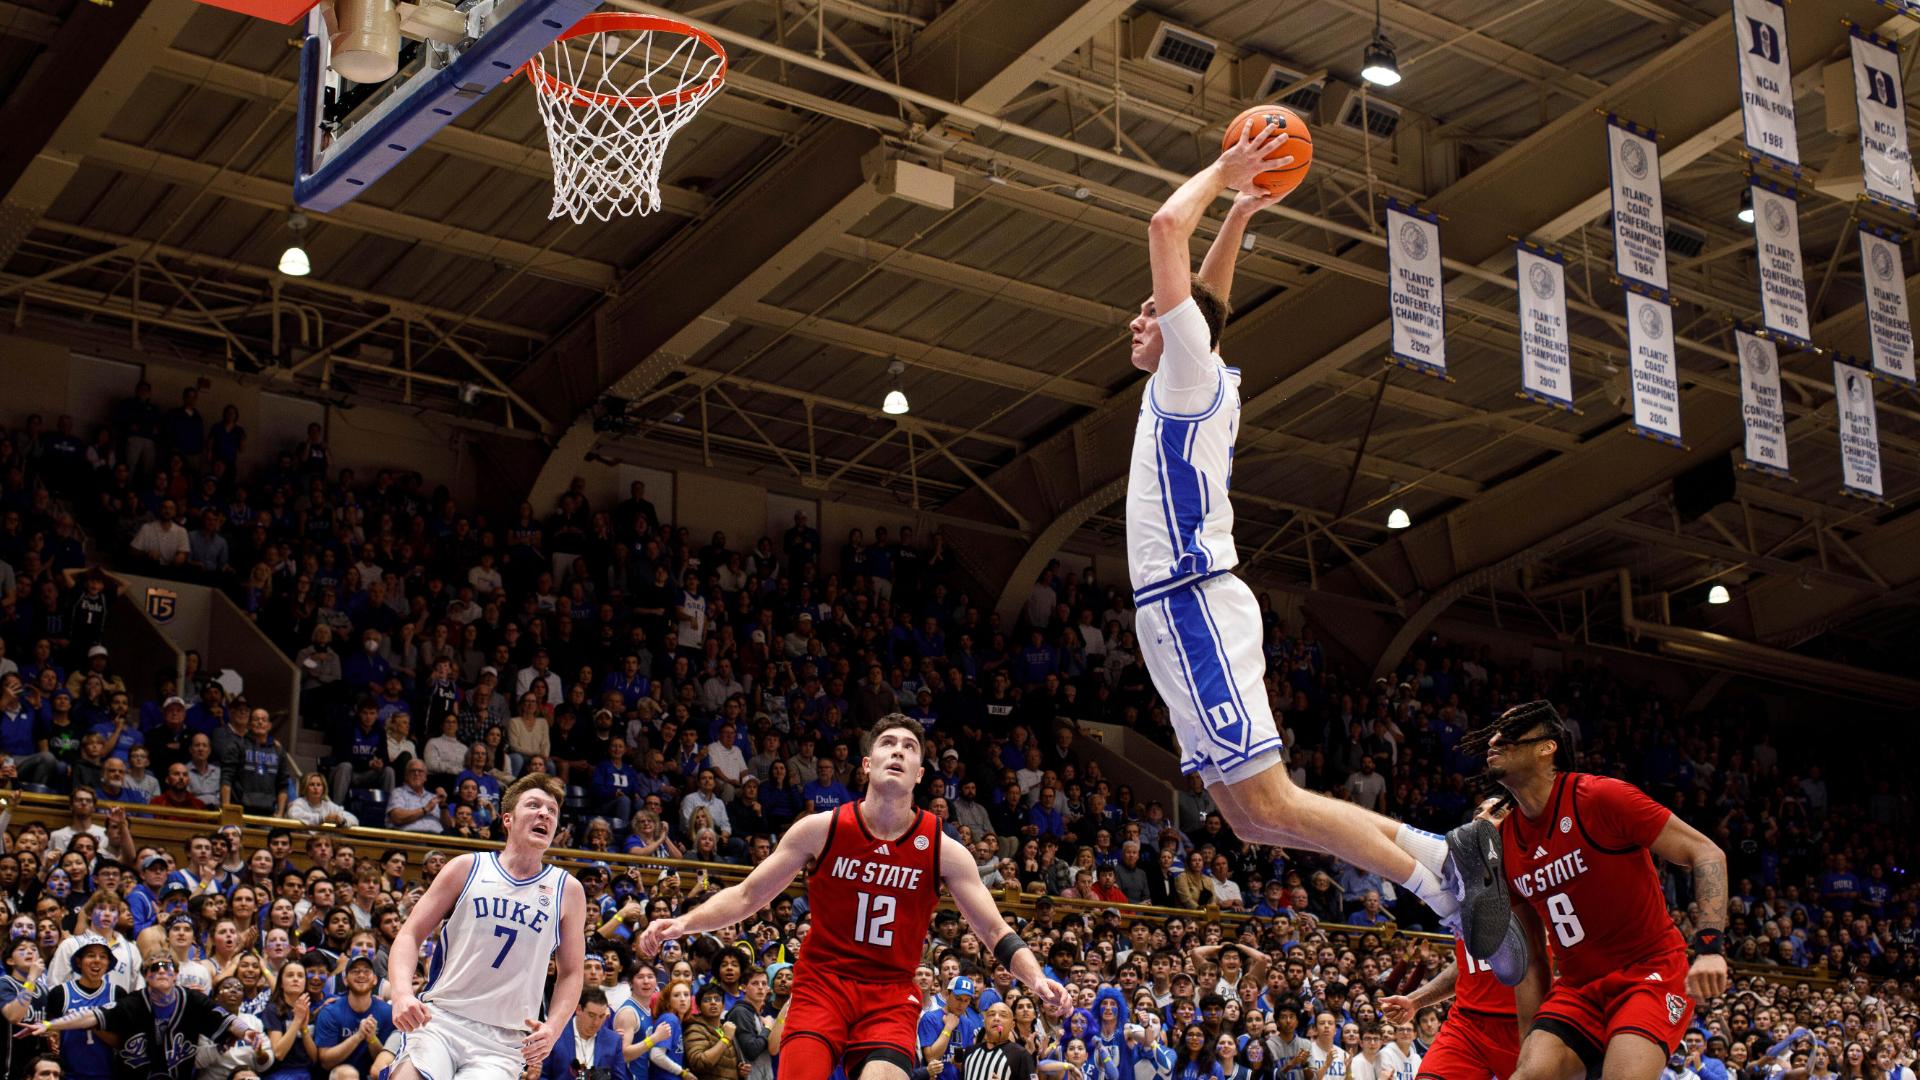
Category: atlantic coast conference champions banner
[1885,162]
[1414,289]
[1859,434]
[1766,79]
[1887,320]
[1783,283]
[1639,221]
[1760,404]
[1546,367]
[1654,369]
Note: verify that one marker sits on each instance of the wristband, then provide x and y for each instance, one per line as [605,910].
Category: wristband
[1007,948]
[1708,942]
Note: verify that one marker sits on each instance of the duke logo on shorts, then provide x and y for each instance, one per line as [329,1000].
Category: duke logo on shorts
[1199,626]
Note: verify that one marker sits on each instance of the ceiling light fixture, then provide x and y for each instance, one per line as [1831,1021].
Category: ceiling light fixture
[1379,65]
[1719,595]
[294,261]
[896,401]
[1399,519]
[1746,205]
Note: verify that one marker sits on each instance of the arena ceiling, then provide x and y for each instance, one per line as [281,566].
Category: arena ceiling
[749,328]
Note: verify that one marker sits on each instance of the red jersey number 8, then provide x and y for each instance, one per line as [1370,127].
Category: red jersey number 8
[873,919]
[1566,924]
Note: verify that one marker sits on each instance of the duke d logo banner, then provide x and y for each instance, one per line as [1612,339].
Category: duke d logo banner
[1546,368]
[1656,374]
[1760,404]
[1885,162]
[1414,289]
[1887,321]
[1766,79]
[1859,434]
[1639,222]
[1776,241]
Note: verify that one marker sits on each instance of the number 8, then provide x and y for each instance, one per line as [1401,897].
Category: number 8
[1566,924]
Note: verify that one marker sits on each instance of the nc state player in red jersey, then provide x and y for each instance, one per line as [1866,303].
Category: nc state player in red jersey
[878,867]
[1578,858]
[1479,1040]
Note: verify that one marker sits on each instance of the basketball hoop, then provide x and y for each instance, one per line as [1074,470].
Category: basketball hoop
[611,109]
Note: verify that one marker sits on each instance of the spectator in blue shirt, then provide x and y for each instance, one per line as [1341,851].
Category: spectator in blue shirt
[948,1032]
[614,782]
[351,1026]
[1046,818]
[825,792]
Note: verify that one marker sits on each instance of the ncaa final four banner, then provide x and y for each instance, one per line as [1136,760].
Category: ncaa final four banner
[1783,283]
[1654,368]
[1760,404]
[1887,321]
[1414,290]
[1639,221]
[1766,79]
[1546,364]
[1859,435]
[1886,163]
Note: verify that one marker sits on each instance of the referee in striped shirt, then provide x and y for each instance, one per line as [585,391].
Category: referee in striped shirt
[996,1056]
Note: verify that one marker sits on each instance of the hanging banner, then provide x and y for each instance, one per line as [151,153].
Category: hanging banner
[1783,284]
[1655,370]
[1414,289]
[1766,80]
[1760,404]
[1885,162]
[1546,355]
[1639,222]
[1859,435]
[1887,321]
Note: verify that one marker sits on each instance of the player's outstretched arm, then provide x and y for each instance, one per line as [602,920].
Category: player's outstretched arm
[976,905]
[1400,1008]
[1683,845]
[427,915]
[735,902]
[1171,230]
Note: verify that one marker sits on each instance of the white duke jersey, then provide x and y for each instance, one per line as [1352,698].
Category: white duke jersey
[1179,519]
[489,961]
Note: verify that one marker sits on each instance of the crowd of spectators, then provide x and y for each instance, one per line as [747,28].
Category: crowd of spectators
[698,696]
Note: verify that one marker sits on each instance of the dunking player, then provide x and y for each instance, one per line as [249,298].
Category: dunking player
[1578,857]
[878,866]
[1479,1041]
[1198,625]
[494,919]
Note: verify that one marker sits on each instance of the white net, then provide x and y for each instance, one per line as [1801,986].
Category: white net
[612,94]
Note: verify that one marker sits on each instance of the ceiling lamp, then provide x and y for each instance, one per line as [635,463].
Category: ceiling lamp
[1746,205]
[1719,595]
[1379,65]
[896,401]
[1399,519]
[294,261]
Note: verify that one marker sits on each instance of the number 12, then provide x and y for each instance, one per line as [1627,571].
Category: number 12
[872,919]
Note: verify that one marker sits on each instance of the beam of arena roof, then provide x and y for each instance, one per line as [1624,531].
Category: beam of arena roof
[363,217]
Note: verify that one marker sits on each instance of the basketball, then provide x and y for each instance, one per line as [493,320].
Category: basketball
[1299,147]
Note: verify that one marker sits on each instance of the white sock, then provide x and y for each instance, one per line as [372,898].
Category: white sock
[1428,849]
[1426,885]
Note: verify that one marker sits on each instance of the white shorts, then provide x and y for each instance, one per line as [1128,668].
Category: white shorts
[1203,648]
[450,1047]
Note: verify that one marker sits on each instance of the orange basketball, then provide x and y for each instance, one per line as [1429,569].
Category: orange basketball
[1299,146]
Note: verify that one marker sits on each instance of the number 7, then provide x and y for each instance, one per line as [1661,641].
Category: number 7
[510,934]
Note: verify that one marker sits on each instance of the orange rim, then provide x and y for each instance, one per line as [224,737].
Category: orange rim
[607,22]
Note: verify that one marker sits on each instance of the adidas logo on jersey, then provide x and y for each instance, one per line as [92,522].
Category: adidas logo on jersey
[880,850]
[1653,976]
[1539,852]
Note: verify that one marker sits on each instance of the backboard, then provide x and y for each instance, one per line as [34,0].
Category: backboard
[449,57]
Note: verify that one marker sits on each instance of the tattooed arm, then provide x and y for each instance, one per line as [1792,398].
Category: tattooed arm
[1683,845]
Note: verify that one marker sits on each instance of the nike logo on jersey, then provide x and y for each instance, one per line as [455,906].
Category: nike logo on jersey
[880,850]
[1539,852]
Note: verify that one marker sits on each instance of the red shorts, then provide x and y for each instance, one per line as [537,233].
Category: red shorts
[1472,1046]
[1648,999]
[856,1019]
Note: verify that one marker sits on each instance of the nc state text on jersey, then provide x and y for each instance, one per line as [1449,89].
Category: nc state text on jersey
[1558,872]
[883,875]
